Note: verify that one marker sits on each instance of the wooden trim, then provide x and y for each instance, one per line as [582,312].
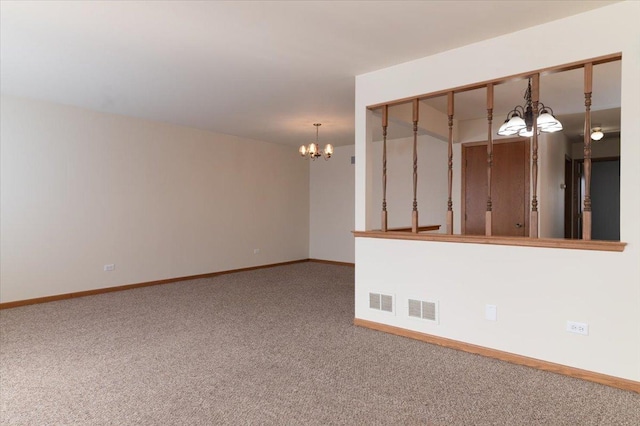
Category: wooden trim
[598,159]
[604,379]
[527,185]
[332,262]
[410,229]
[557,243]
[463,189]
[543,71]
[495,141]
[73,295]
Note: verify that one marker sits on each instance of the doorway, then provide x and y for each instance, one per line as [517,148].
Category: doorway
[605,198]
[509,188]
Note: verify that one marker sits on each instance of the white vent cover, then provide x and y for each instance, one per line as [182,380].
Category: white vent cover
[381,302]
[423,309]
[374,301]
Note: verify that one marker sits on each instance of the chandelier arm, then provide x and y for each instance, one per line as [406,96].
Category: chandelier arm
[518,110]
[543,107]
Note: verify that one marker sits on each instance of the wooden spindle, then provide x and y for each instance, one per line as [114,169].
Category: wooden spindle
[488,214]
[385,123]
[450,110]
[586,212]
[535,99]
[414,212]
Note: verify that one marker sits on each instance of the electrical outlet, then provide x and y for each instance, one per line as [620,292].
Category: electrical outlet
[110,267]
[578,327]
[491,312]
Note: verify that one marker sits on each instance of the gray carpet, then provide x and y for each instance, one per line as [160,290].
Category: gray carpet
[273,346]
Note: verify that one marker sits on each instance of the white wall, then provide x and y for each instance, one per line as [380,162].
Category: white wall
[432,182]
[536,289]
[552,150]
[607,147]
[82,189]
[332,189]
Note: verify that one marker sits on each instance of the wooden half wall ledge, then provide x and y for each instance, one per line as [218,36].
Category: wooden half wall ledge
[578,373]
[558,243]
[65,296]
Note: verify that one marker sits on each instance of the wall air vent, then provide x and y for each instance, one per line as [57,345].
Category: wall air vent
[381,302]
[423,309]
[374,301]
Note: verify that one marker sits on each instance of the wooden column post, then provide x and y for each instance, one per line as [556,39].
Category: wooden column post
[450,173]
[535,99]
[488,218]
[414,212]
[385,123]
[586,212]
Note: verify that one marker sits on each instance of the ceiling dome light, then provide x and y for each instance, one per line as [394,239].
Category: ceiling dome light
[597,134]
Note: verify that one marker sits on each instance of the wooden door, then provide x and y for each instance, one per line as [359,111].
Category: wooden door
[509,188]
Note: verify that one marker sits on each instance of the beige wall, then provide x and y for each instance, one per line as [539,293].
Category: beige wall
[331,215]
[432,182]
[333,191]
[553,148]
[82,189]
[607,147]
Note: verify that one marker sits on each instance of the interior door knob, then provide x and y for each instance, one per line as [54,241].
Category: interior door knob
[518,225]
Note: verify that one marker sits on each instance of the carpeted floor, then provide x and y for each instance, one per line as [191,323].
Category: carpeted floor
[274,346]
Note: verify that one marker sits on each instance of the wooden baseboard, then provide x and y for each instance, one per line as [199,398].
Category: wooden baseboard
[591,376]
[65,296]
[332,262]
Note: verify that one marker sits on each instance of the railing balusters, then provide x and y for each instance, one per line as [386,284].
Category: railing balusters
[385,123]
[586,213]
[535,99]
[414,212]
[450,110]
[488,216]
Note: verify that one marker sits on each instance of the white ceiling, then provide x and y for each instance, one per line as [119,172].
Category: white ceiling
[263,70]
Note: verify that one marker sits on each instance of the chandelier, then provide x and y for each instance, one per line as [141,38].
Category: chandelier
[313,151]
[520,119]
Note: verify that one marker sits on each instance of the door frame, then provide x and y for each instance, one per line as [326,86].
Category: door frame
[568,198]
[527,176]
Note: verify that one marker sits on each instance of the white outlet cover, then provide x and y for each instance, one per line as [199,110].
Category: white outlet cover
[578,327]
[491,312]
